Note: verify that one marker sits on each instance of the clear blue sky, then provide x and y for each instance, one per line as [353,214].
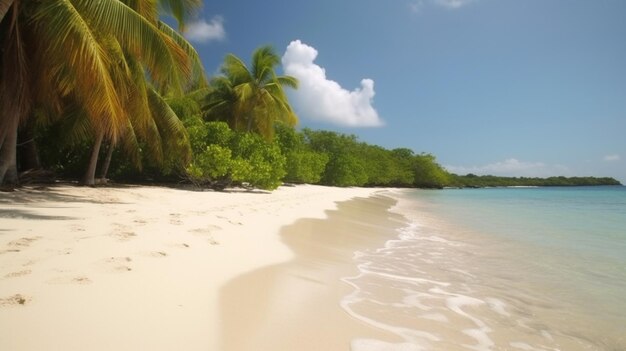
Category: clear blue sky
[508,87]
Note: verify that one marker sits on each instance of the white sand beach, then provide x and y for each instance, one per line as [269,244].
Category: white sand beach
[137,268]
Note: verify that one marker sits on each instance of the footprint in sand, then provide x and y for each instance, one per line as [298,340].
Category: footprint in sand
[140,221]
[80,280]
[206,232]
[180,245]
[229,220]
[175,219]
[15,300]
[19,244]
[29,263]
[18,273]
[122,233]
[156,254]
[117,264]
[63,252]
[23,242]
[77,228]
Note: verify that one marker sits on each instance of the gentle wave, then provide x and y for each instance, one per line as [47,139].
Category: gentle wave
[440,287]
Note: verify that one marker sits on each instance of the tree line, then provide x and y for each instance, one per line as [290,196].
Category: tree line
[475,181]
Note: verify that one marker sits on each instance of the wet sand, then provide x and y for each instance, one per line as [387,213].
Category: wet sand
[296,305]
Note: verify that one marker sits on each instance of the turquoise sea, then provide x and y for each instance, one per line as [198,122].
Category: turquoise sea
[498,269]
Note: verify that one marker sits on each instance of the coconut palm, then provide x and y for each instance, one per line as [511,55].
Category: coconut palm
[57,51]
[220,101]
[253,98]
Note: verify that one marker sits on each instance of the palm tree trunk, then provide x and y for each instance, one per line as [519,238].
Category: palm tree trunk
[3,136]
[8,166]
[90,175]
[251,116]
[28,155]
[107,162]
[4,7]
[250,120]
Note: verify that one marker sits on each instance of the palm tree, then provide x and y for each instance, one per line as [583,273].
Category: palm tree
[4,7]
[78,51]
[220,101]
[253,99]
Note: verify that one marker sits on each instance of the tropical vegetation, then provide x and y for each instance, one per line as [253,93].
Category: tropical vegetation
[91,90]
[251,99]
[476,181]
[101,68]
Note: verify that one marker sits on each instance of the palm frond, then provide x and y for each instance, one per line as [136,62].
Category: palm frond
[74,52]
[148,9]
[76,124]
[166,61]
[198,77]
[236,70]
[130,144]
[288,81]
[264,59]
[171,129]
[181,10]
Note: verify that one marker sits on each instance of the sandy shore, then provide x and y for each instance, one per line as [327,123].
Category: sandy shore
[295,305]
[146,268]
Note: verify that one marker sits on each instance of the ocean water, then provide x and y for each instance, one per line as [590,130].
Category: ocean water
[498,269]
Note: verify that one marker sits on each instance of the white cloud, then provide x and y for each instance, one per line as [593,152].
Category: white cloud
[322,99]
[612,158]
[203,31]
[417,5]
[514,168]
[453,4]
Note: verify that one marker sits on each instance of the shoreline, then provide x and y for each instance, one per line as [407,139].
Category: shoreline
[137,267]
[296,305]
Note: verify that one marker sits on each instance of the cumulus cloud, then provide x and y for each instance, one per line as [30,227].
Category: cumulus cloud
[322,99]
[514,168]
[202,31]
[612,158]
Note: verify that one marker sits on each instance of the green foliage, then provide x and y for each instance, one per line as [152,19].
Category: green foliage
[213,163]
[67,158]
[185,107]
[303,164]
[251,99]
[429,174]
[474,181]
[266,162]
[353,163]
[223,157]
[345,167]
